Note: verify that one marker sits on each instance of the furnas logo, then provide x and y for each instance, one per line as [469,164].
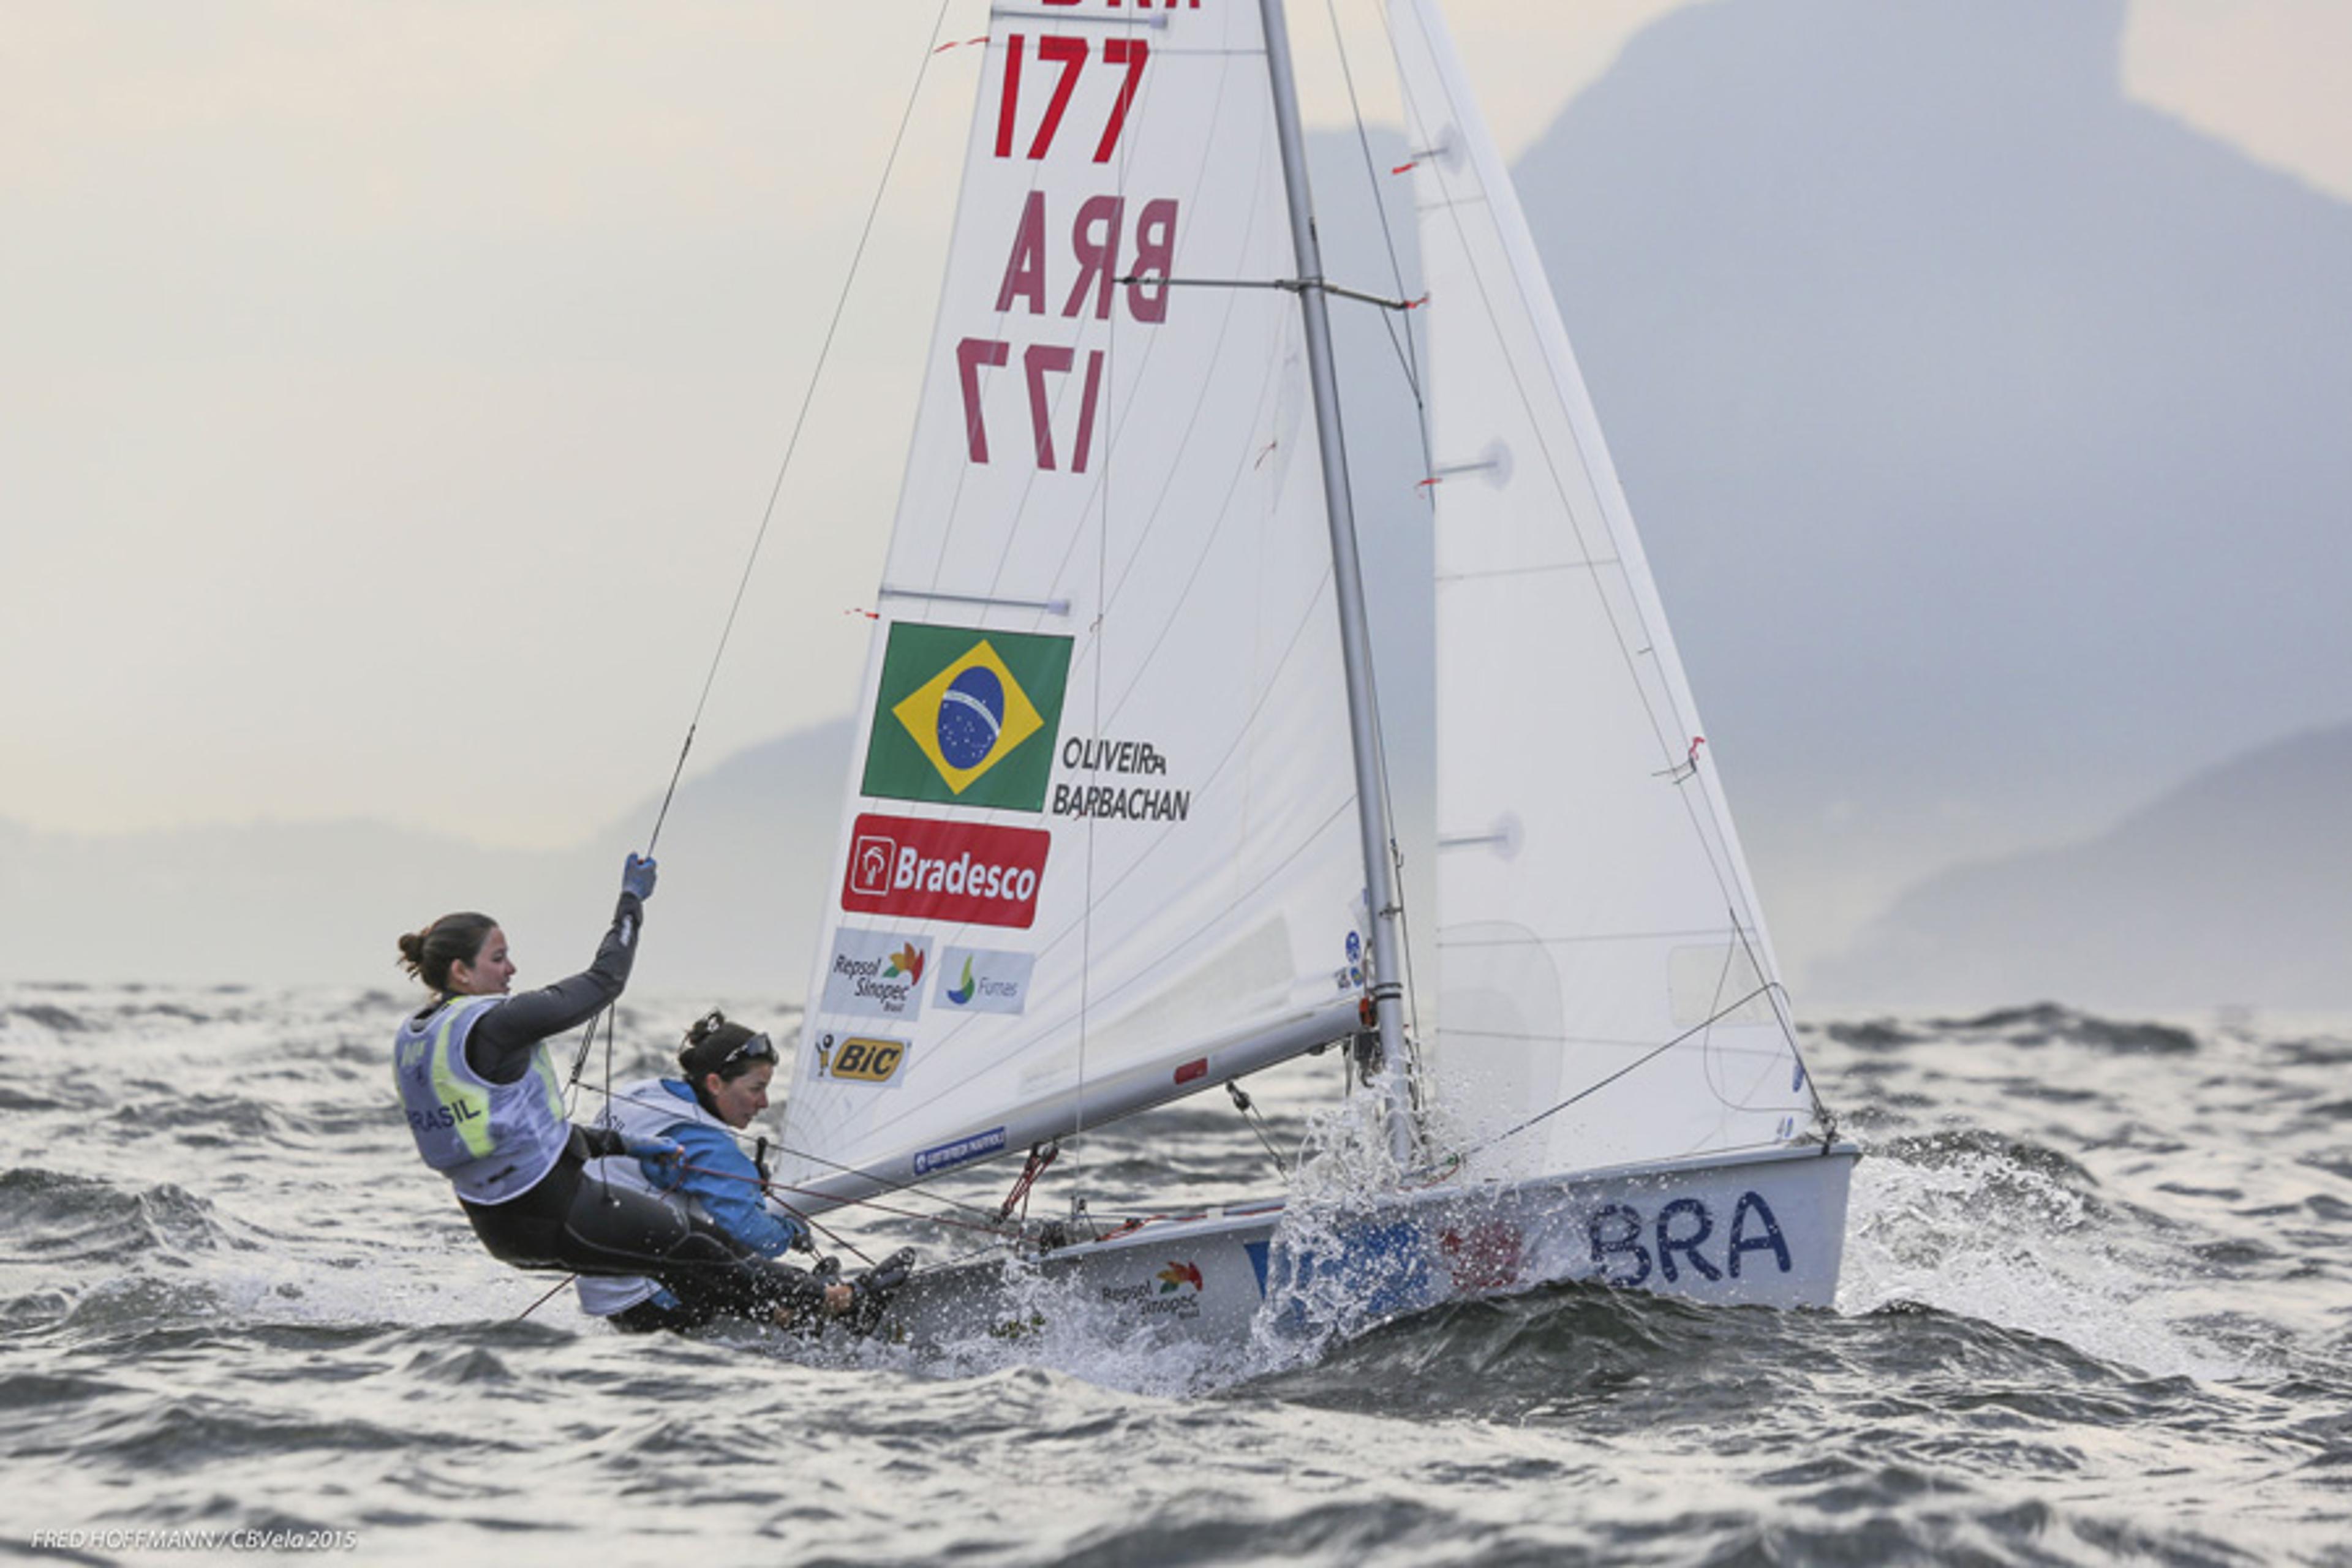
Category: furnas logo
[980,979]
[863,1060]
[960,872]
[879,973]
[965,717]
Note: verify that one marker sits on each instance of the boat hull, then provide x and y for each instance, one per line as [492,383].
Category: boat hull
[1755,1230]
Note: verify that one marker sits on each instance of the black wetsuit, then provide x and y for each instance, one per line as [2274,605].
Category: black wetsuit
[571,1221]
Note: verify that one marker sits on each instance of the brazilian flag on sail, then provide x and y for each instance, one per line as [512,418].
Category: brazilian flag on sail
[966,717]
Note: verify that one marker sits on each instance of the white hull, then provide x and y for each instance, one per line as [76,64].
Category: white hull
[1754,1229]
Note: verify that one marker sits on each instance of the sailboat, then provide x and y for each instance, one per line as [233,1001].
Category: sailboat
[1117,830]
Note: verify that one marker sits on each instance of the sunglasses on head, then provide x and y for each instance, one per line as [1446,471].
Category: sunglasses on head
[754,1048]
[757,1048]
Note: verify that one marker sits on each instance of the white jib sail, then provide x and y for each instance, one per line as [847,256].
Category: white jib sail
[1100,845]
[1602,962]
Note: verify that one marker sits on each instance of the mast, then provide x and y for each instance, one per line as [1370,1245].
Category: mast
[1348,584]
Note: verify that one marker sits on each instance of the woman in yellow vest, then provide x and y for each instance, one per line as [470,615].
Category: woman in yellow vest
[486,1105]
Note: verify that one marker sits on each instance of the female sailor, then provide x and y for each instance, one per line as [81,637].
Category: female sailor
[724,1071]
[486,1109]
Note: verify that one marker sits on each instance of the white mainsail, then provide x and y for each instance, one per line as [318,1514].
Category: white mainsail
[1602,962]
[1100,847]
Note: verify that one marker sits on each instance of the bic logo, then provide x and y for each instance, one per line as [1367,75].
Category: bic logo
[960,714]
[865,1060]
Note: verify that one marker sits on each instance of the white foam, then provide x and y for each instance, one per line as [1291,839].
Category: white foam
[1983,1236]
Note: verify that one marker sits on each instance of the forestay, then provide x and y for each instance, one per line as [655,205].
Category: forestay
[1598,935]
[1100,847]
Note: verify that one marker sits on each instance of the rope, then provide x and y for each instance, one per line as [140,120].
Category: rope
[543,1301]
[1248,1108]
[830,1164]
[800,422]
[1407,360]
[773,1188]
[1594,1087]
[1040,1156]
[775,490]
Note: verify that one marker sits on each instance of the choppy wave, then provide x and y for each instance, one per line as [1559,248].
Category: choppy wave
[2094,1309]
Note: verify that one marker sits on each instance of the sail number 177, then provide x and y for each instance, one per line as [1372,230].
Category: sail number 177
[1066,57]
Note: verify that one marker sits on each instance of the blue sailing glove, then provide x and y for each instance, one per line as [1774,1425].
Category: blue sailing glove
[662,1161]
[638,877]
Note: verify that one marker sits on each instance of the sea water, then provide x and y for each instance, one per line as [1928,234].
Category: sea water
[2095,1310]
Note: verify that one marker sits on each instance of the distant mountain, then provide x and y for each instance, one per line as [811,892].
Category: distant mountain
[2235,888]
[743,860]
[1986,429]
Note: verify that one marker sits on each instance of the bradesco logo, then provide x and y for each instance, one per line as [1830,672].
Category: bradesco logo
[965,717]
[960,872]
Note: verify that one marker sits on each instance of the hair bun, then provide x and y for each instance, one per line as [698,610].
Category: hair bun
[707,1043]
[427,954]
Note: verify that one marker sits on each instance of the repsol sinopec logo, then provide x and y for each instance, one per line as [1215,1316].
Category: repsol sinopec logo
[959,872]
[879,973]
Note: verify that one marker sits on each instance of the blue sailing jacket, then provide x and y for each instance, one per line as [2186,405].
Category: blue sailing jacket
[725,1190]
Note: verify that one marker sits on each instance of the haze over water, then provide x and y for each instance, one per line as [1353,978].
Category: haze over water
[2095,1310]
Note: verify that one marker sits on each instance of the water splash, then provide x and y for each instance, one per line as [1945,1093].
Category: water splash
[1334,1268]
[2012,1234]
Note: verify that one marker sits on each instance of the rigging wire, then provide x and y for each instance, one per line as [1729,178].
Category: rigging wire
[800,421]
[1702,1026]
[776,489]
[1248,1108]
[552,1291]
[1409,361]
[1781,1015]
[883,1182]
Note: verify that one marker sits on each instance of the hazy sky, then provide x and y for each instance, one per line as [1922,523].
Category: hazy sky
[389,392]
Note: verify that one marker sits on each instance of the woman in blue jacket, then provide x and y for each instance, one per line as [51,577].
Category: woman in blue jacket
[724,1071]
